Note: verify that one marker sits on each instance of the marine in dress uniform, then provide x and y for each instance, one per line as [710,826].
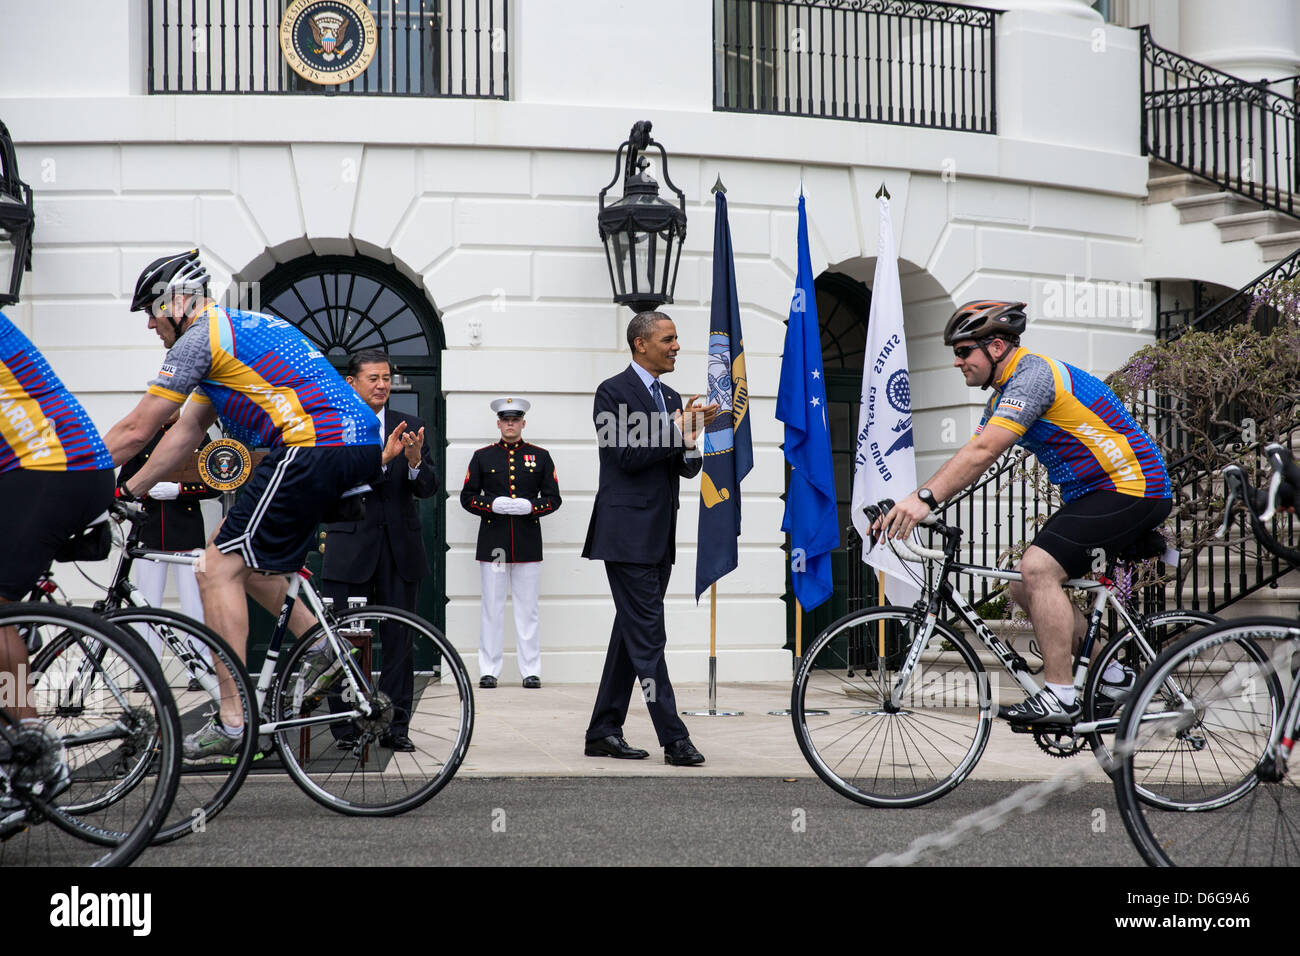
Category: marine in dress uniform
[511,486]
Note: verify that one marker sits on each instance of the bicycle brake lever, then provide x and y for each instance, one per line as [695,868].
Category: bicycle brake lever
[1231,476]
[1274,484]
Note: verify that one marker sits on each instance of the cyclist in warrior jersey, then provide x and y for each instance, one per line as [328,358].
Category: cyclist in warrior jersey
[1111,475]
[56,477]
[269,387]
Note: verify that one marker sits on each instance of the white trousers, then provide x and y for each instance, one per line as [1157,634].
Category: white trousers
[151,579]
[522,582]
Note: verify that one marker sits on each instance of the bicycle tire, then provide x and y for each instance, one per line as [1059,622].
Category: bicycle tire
[371,780]
[1213,762]
[875,752]
[114,724]
[1159,631]
[206,786]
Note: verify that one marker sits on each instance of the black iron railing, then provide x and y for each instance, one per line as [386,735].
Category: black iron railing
[1242,306]
[875,61]
[1238,134]
[424,48]
[1004,509]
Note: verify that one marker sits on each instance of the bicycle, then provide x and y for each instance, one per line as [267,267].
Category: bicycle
[96,790]
[902,727]
[337,663]
[196,664]
[1211,723]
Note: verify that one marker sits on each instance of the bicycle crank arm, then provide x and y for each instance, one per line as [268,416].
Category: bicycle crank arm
[1105,725]
[115,731]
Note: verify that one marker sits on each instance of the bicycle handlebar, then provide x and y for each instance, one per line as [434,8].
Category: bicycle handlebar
[1262,503]
[883,507]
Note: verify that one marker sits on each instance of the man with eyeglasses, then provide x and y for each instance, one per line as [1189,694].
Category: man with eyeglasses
[1111,475]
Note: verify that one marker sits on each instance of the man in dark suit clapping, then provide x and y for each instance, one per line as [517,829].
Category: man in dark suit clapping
[647,444]
[382,557]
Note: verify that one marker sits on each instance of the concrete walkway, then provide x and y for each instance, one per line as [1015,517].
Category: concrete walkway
[521,732]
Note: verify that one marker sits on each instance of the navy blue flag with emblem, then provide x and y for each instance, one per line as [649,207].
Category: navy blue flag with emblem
[811,518]
[728,451]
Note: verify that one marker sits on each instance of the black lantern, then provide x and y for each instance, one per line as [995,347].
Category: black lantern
[643,234]
[17,217]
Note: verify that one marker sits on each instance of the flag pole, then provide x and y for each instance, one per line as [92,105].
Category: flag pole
[722,230]
[713,664]
[880,600]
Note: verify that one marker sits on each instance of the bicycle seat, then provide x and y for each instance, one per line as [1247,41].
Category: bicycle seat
[92,543]
[1151,545]
[351,505]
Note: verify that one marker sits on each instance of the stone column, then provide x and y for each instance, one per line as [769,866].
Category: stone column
[1251,39]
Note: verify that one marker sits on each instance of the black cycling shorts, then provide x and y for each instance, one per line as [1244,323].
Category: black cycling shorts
[43,509]
[1101,521]
[273,523]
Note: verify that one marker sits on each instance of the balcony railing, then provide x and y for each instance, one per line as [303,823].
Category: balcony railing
[1238,134]
[425,48]
[874,61]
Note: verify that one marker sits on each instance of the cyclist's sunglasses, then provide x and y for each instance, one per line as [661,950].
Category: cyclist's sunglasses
[962,351]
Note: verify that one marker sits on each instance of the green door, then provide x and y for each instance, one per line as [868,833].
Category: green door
[345,304]
[843,305]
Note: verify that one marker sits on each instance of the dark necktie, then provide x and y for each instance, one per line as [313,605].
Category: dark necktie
[659,398]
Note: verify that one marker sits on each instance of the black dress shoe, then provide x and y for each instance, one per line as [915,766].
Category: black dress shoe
[682,753]
[532,683]
[488,681]
[613,746]
[396,742]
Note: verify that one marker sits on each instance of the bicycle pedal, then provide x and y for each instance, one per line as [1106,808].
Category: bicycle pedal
[1021,728]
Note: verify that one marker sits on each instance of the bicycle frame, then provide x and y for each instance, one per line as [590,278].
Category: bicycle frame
[122,592]
[945,595]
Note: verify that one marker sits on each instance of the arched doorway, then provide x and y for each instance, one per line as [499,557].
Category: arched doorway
[843,305]
[347,303]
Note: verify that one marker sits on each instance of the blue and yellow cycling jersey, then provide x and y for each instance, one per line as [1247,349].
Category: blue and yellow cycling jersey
[270,386]
[1077,427]
[42,426]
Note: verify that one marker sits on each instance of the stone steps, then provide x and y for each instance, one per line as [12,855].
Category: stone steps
[1237,217]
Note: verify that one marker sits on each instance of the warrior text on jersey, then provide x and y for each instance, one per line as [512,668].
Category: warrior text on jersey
[1076,427]
[42,426]
[270,386]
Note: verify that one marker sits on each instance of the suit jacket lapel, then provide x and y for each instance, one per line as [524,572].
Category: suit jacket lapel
[633,384]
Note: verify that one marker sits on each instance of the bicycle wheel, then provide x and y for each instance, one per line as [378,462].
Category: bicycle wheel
[1158,631]
[1193,736]
[881,746]
[369,779]
[195,663]
[104,707]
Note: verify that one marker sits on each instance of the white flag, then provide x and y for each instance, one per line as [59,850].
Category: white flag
[885,466]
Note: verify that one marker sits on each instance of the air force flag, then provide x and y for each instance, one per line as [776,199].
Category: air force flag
[884,466]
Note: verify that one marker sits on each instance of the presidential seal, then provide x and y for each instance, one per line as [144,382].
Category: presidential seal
[224,464]
[328,41]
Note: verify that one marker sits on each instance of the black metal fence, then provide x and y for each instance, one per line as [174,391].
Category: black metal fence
[1004,509]
[1238,134]
[875,61]
[425,48]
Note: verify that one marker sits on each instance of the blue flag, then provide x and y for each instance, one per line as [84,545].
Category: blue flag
[728,451]
[811,518]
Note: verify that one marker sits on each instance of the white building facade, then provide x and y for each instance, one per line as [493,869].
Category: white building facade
[481,212]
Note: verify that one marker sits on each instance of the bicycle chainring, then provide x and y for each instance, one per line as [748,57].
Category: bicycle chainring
[1059,743]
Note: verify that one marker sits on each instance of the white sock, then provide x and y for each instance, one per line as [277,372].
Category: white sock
[1114,673]
[232,731]
[1064,693]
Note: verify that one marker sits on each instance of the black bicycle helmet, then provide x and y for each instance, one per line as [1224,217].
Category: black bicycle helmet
[182,273]
[982,320]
